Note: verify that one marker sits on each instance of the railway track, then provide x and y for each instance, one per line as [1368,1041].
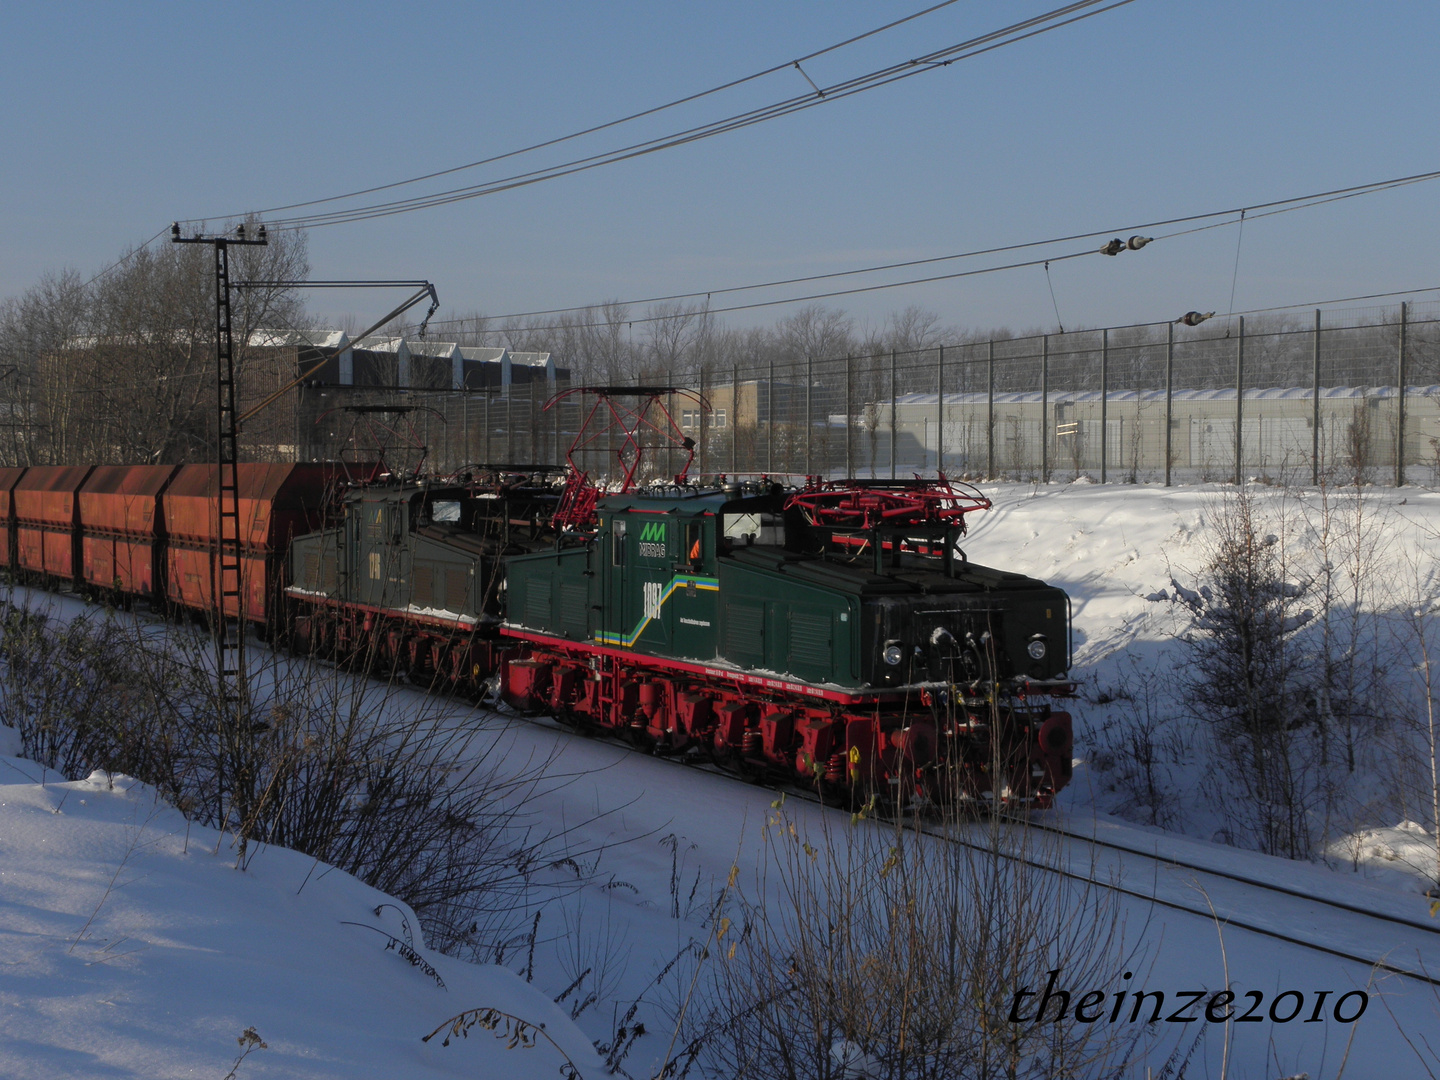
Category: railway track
[1171,862]
[1420,935]
[1335,916]
[1342,914]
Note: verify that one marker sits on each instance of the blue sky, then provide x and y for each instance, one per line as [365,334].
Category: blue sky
[120,117]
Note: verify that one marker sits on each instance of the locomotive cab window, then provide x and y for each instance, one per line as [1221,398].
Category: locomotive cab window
[445,511]
[694,543]
[617,542]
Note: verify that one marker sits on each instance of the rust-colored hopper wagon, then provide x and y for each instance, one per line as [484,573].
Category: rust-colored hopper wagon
[123,530]
[47,521]
[8,479]
[276,502]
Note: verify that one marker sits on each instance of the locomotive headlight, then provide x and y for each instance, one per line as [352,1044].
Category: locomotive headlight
[1036,648]
[893,654]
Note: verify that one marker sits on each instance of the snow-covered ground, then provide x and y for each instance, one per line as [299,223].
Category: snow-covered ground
[1124,552]
[131,946]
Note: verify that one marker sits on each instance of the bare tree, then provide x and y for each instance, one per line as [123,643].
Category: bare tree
[33,326]
[122,370]
[669,338]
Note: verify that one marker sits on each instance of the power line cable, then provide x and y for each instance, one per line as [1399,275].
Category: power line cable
[831,294]
[742,80]
[126,257]
[1055,19]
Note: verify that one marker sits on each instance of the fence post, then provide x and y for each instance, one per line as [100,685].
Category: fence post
[809,421]
[1105,403]
[849,457]
[487,425]
[1400,400]
[990,412]
[1169,396]
[734,420]
[1239,397]
[1315,407]
[444,433]
[940,412]
[510,426]
[770,420]
[894,400]
[1044,408]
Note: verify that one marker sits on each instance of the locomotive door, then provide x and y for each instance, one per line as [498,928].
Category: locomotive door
[640,571]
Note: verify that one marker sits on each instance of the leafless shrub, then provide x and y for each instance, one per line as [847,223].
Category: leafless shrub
[873,950]
[71,689]
[1351,538]
[1141,742]
[1358,450]
[1419,638]
[517,1033]
[409,795]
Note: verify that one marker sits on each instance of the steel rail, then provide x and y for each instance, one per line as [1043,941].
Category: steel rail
[1429,928]
[1150,897]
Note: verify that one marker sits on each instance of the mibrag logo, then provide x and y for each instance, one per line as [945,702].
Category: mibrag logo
[652,540]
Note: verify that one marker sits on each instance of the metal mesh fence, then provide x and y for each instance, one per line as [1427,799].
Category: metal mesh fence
[1353,392]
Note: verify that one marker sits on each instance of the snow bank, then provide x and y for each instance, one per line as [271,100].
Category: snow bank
[131,946]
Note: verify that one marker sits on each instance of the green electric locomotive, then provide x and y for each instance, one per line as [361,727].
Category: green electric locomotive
[835,635]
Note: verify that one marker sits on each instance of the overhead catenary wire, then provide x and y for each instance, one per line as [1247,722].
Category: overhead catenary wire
[795,104]
[1053,303]
[1052,20]
[687,99]
[1252,211]
[825,295]
[1235,274]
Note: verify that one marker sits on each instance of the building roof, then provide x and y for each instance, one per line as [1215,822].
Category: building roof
[319,339]
[377,343]
[484,354]
[440,350]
